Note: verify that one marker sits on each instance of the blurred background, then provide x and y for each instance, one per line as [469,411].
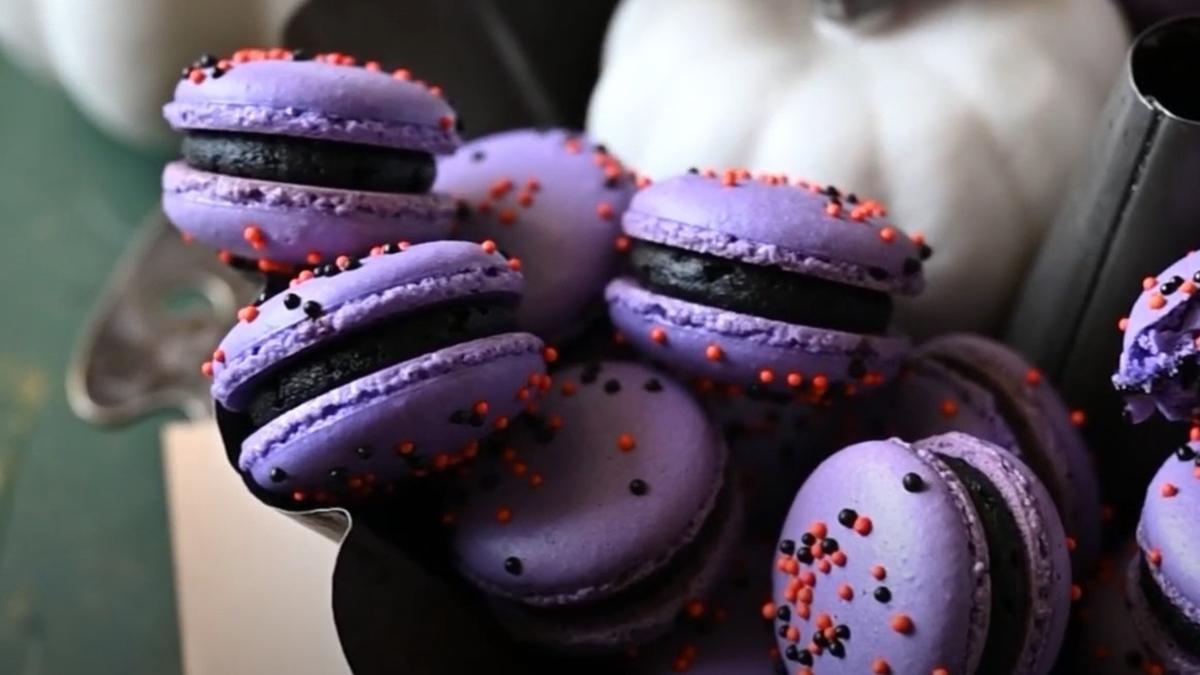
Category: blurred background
[85,561]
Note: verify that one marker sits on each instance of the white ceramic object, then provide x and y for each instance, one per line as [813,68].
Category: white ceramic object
[119,59]
[966,117]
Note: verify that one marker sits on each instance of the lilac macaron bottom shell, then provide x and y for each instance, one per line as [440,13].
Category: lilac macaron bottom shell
[396,421]
[647,611]
[1048,563]
[748,345]
[1175,658]
[296,220]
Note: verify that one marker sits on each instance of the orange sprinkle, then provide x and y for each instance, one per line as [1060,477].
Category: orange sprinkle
[713,353]
[1148,283]
[405,448]
[949,408]
[569,388]
[219,356]
[888,234]
[1034,377]
[820,382]
[1078,418]
[1188,288]
[838,558]
[766,376]
[1169,490]
[1071,544]
[488,246]
[1076,592]
[312,258]
[845,592]
[507,216]
[504,515]
[768,611]
[880,667]
[879,572]
[1123,323]
[550,354]
[626,443]
[1154,557]
[480,408]
[696,609]
[446,122]
[299,496]
[1157,301]
[206,369]
[863,525]
[795,380]
[536,480]
[604,210]
[621,243]
[808,578]
[833,209]
[823,621]
[824,566]
[818,529]
[514,264]
[658,335]
[901,624]
[248,313]
[196,76]
[940,671]
[804,595]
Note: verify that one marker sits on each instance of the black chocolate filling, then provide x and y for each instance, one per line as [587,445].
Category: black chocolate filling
[1184,631]
[346,358]
[331,164]
[768,292]
[1010,611]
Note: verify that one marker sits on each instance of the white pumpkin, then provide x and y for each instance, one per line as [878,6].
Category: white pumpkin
[966,117]
[119,59]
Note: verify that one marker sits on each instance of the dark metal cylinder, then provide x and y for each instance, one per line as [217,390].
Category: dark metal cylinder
[1135,210]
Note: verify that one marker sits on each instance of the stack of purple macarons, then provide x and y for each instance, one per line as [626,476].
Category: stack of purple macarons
[659,426]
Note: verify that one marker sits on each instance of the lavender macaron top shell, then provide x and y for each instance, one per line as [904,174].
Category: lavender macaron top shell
[543,197]
[1168,526]
[1158,340]
[1172,655]
[422,276]
[930,545]
[319,100]
[930,399]
[588,531]
[775,225]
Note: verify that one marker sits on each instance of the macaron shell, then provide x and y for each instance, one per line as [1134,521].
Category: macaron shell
[583,533]
[1168,527]
[747,344]
[296,220]
[931,399]
[553,200]
[776,225]
[926,548]
[395,422]
[1054,446]
[1159,337]
[316,100]
[383,286]
[649,614]
[1164,649]
[1048,564]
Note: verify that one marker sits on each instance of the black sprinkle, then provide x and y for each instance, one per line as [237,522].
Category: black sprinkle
[911,266]
[601,148]
[787,547]
[852,198]
[808,539]
[842,631]
[291,301]
[612,387]
[783,613]
[783,630]
[847,517]
[353,264]
[694,170]
[805,556]
[363,452]
[278,475]
[882,594]
[300,55]
[312,309]
[925,252]
[513,566]
[187,70]
[390,248]
[638,487]
[478,156]
[837,650]
[806,658]
[913,482]
[829,545]
[819,639]
[792,653]
[217,73]
[206,61]
[832,191]
[1171,285]
[590,373]
[653,385]
[1185,453]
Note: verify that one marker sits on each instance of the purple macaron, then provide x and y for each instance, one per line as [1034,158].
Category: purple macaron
[392,367]
[757,281]
[981,387]
[295,161]
[1164,581]
[1158,364]
[936,557]
[553,200]
[598,522]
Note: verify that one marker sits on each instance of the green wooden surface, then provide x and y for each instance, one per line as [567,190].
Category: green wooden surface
[85,562]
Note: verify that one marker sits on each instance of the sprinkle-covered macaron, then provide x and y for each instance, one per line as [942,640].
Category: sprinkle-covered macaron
[594,526]
[981,387]
[757,280]
[939,557]
[293,160]
[1164,581]
[551,200]
[1158,366]
[392,366]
